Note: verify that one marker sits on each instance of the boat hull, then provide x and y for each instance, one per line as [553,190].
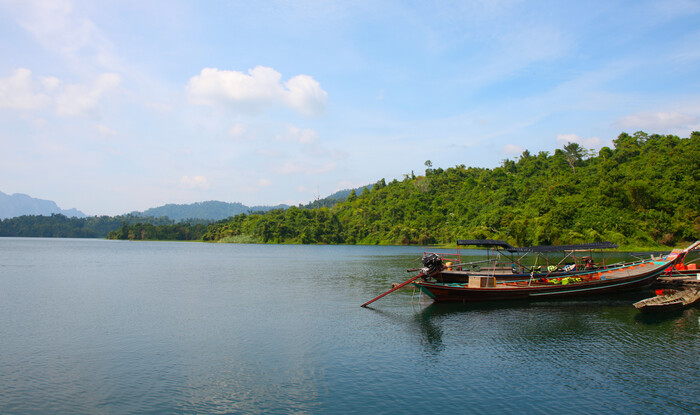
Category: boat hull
[673,301]
[662,308]
[625,278]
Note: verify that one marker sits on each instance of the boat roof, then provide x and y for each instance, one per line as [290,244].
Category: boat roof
[491,243]
[485,242]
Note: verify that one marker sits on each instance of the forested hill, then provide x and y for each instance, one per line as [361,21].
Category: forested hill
[211,210]
[643,192]
[61,226]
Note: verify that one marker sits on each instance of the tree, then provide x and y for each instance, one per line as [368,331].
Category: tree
[645,191]
[574,153]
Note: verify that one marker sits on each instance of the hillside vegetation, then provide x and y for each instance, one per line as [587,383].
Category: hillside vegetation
[643,192]
[209,211]
[61,226]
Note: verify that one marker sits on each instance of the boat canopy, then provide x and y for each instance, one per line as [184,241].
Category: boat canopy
[541,248]
[486,242]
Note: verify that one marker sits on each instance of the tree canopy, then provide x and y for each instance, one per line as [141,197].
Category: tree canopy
[644,192]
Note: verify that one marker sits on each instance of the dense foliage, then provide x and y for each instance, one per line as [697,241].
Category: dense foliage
[60,226]
[183,231]
[211,211]
[643,192]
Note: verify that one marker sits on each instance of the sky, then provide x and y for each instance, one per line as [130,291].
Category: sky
[115,106]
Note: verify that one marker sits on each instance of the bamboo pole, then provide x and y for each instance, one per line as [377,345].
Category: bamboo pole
[392,290]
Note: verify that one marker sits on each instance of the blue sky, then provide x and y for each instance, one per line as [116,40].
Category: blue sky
[114,106]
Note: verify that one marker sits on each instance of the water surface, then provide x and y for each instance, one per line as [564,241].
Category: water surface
[114,327]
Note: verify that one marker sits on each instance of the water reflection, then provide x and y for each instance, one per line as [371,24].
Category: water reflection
[676,318]
[109,327]
[431,331]
[421,323]
[534,325]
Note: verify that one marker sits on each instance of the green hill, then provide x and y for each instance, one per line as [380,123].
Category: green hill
[211,210]
[643,192]
[61,226]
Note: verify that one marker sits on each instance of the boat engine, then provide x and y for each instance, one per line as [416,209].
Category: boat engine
[432,263]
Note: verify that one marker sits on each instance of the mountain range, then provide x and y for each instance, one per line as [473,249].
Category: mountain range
[19,204]
[211,210]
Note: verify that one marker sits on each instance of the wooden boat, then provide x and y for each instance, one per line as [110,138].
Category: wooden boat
[612,279]
[507,263]
[669,300]
[683,269]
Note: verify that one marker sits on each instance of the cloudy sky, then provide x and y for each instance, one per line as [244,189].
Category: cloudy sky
[113,106]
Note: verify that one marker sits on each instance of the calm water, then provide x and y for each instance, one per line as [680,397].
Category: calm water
[111,327]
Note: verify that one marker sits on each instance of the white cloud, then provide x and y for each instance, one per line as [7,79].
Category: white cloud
[291,168]
[592,142]
[50,82]
[344,185]
[236,131]
[305,95]
[264,182]
[259,90]
[656,122]
[300,135]
[512,149]
[20,92]
[106,131]
[196,182]
[80,99]
[268,152]
[61,28]
[304,168]
[339,154]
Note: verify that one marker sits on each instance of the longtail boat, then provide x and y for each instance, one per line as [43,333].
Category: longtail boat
[682,268]
[507,263]
[610,279]
[669,300]
[443,280]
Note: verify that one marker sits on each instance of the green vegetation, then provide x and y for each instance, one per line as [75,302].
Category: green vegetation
[60,226]
[294,225]
[167,232]
[644,192]
[209,211]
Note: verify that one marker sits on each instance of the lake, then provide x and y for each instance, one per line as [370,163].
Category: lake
[117,327]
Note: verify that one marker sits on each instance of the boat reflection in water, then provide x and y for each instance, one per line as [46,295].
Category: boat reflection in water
[581,326]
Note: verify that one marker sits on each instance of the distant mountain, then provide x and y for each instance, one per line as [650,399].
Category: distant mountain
[212,210]
[20,204]
[337,197]
[215,210]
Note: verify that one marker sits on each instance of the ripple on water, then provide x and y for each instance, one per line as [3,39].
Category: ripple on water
[110,327]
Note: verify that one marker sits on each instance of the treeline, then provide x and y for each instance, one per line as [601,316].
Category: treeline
[643,192]
[293,225]
[60,226]
[183,231]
